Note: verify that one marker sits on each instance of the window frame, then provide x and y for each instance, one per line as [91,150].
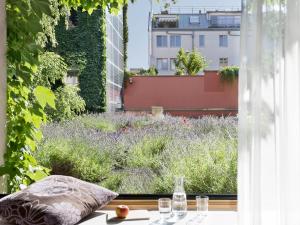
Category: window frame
[173,40]
[171,60]
[223,59]
[223,43]
[162,69]
[203,40]
[164,41]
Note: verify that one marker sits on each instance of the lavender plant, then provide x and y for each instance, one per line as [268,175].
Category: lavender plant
[138,153]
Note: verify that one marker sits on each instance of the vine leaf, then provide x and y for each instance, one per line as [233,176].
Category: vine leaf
[44,96]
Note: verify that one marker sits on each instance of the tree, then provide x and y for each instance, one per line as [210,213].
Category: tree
[189,63]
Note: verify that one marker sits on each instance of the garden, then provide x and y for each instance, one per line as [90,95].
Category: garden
[139,153]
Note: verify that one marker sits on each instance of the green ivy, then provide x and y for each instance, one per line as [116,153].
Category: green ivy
[84,47]
[125,33]
[30,26]
[229,73]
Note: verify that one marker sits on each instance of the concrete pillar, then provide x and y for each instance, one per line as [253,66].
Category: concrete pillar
[2,87]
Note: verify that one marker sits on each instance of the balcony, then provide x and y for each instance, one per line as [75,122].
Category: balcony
[225,21]
[165,21]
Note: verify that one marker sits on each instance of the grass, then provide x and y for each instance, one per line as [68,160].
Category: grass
[142,154]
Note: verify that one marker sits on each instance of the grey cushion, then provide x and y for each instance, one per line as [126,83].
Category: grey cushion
[55,200]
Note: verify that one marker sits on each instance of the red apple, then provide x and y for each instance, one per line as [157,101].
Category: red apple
[122,211]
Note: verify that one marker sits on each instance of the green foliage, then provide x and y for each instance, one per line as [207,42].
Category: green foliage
[30,26]
[147,154]
[189,63]
[25,101]
[51,71]
[75,158]
[125,33]
[152,71]
[83,55]
[68,104]
[98,124]
[229,73]
[209,168]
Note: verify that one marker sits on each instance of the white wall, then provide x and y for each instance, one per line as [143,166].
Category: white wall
[211,51]
[2,87]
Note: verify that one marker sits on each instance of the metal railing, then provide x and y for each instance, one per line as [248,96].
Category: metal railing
[197,10]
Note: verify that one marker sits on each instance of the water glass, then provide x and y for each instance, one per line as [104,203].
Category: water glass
[164,208]
[202,204]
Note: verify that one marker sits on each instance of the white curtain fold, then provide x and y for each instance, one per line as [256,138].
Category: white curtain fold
[269,113]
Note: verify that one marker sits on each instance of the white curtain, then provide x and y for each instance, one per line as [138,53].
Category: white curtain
[269,113]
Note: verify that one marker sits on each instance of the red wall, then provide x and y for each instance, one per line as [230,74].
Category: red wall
[182,95]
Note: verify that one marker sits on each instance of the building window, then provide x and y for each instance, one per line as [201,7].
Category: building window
[201,40]
[72,77]
[172,64]
[73,19]
[223,62]
[162,64]
[161,41]
[175,41]
[223,41]
[194,19]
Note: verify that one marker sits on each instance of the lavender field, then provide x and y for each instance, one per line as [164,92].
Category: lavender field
[142,154]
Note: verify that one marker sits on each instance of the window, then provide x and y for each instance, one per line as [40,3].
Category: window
[201,40]
[223,62]
[172,64]
[162,64]
[73,19]
[175,41]
[161,41]
[72,77]
[194,19]
[223,41]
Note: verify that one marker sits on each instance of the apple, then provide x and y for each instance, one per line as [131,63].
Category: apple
[122,211]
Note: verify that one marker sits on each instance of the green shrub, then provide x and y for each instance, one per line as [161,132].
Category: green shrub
[68,104]
[189,63]
[143,154]
[98,124]
[229,73]
[147,154]
[208,168]
[75,158]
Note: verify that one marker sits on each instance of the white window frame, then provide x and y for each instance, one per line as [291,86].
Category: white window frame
[223,40]
[223,61]
[162,44]
[171,63]
[173,41]
[201,45]
[162,68]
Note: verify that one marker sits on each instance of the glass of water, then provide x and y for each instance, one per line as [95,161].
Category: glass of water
[202,205]
[164,208]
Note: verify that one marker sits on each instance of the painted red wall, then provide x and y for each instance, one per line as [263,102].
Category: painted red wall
[183,95]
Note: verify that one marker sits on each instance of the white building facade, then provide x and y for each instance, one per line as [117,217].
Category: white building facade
[215,34]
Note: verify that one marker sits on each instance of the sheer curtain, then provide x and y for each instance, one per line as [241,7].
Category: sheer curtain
[269,116]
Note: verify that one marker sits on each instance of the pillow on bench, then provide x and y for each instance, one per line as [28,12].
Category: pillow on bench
[55,200]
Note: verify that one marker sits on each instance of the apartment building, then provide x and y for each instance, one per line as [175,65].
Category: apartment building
[215,33]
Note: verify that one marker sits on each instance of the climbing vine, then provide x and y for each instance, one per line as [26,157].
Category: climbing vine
[125,34]
[29,29]
[84,48]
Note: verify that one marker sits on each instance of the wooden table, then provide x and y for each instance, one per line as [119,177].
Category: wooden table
[213,218]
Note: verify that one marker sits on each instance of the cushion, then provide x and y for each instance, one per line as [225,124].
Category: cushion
[55,200]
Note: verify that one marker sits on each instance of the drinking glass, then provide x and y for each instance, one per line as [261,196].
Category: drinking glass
[202,205]
[164,208]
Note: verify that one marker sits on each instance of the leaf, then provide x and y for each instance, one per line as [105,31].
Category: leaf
[44,96]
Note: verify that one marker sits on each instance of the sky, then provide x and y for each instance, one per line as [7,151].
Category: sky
[138,22]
